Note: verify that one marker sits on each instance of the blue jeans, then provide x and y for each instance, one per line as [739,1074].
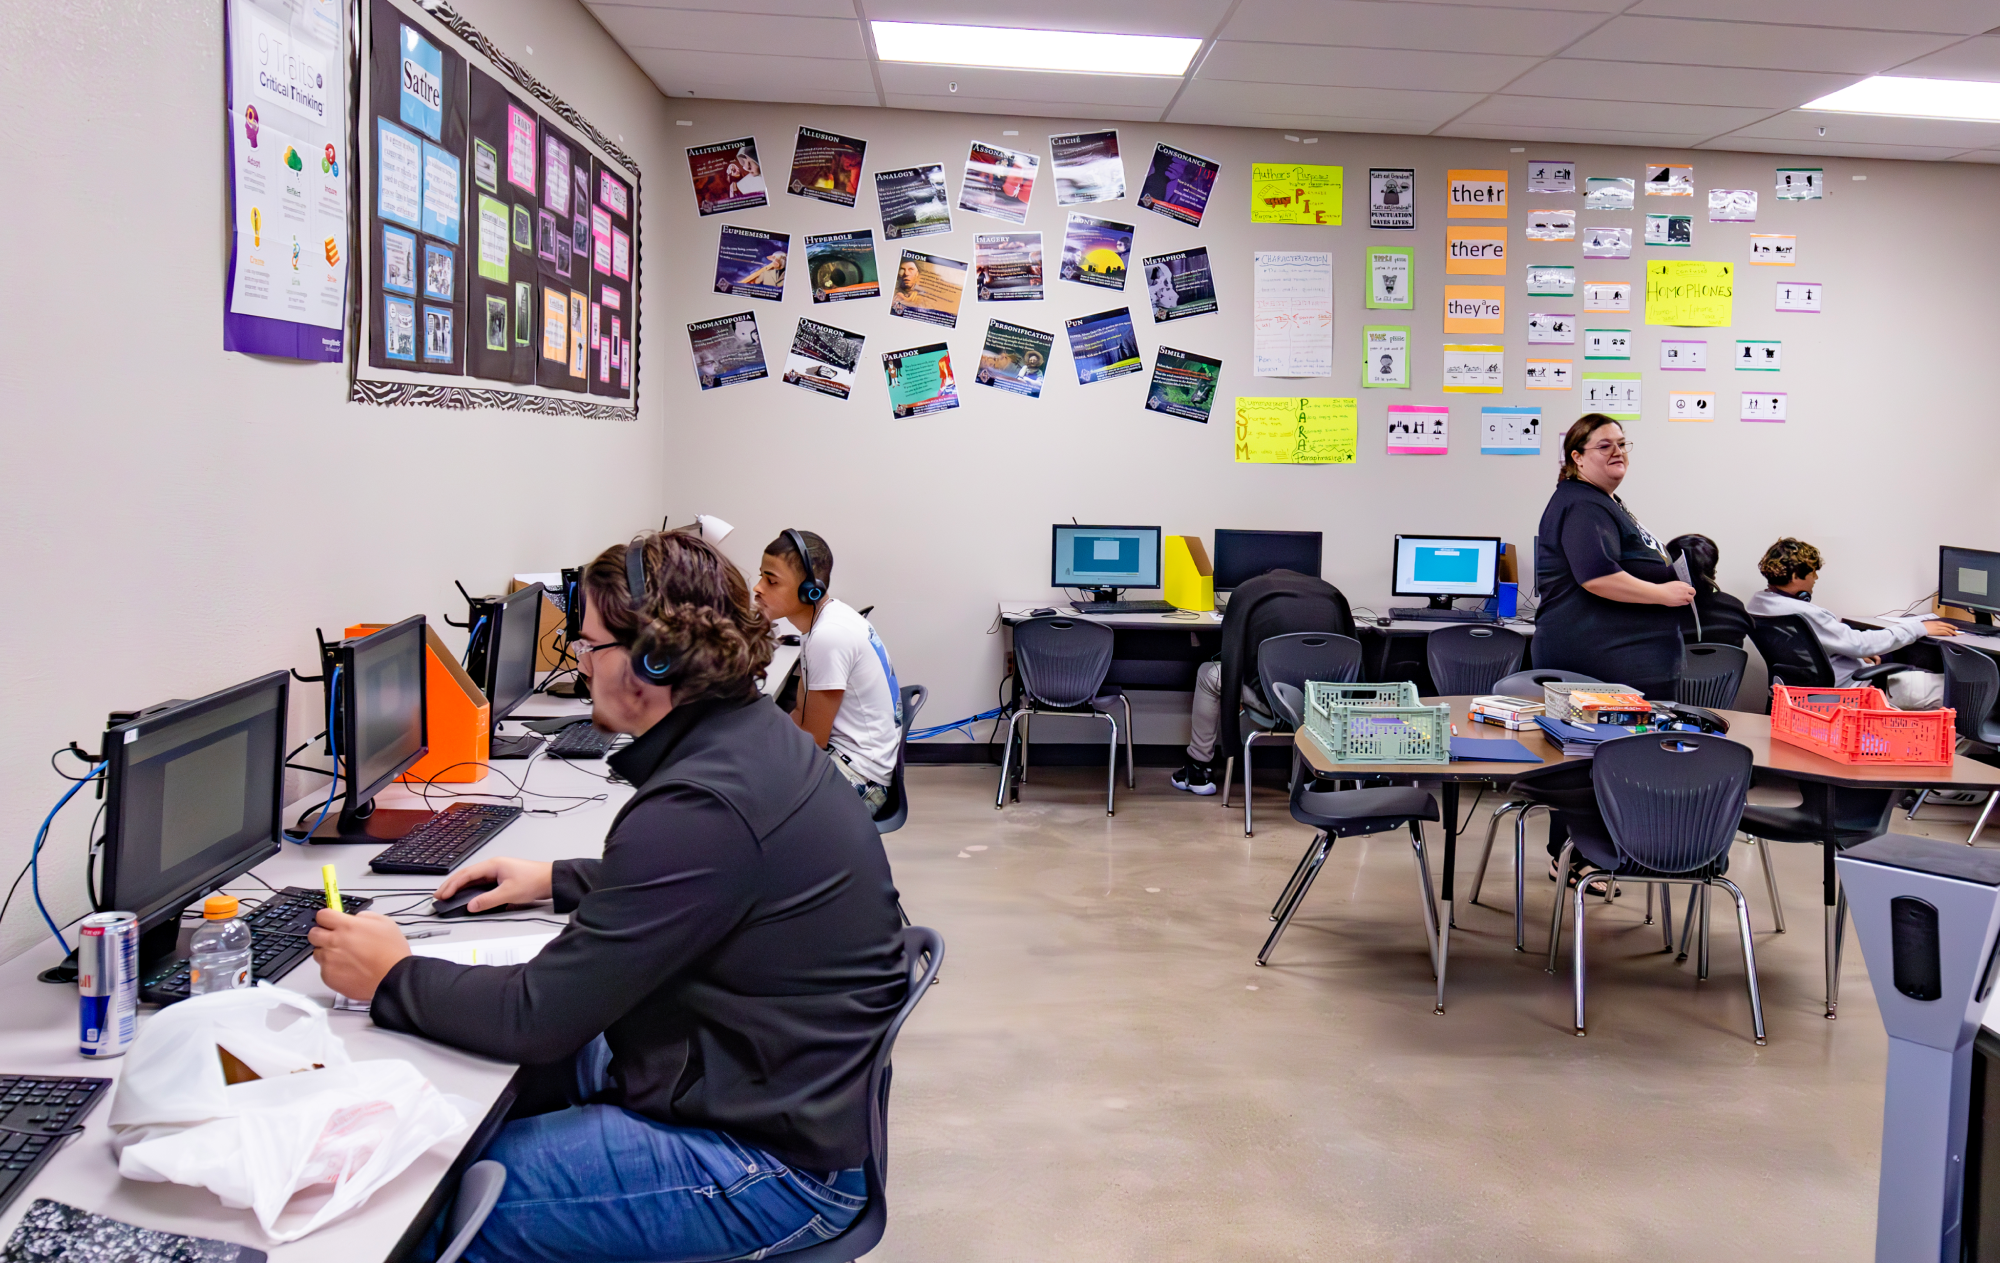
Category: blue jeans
[603,1184]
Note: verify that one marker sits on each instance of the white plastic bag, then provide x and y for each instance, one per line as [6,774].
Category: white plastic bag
[313,1119]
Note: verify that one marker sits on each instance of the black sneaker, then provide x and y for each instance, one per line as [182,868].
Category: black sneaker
[1195,778]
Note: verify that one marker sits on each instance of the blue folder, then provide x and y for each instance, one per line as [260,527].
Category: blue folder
[1491,750]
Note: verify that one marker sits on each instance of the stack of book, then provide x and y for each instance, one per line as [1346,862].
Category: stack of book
[1516,714]
[1582,740]
[1608,707]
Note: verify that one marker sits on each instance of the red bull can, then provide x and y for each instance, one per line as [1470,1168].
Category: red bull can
[107,981]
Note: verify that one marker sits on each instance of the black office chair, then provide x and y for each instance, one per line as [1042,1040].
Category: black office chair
[1710,675]
[1468,659]
[1528,684]
[1669,804]
[1061,664]
[1521,797]
[923,952]
[1972,691]
[1293,660]
[897,809]
[1796,659]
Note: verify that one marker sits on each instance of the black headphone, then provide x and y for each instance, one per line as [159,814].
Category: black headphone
[812,590]
[652,667]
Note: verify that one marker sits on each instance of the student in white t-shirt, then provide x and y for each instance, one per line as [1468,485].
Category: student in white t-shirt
[848,698]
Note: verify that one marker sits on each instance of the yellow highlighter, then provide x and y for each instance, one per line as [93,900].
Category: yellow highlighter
[332,888]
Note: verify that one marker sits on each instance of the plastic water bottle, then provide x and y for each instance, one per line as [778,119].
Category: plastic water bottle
[220,954]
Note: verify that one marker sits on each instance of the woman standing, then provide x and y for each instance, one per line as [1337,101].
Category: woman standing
[1609,599]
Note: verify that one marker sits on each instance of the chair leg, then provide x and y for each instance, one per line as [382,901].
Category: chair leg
[1835,932]
[1649,904]
[1701,951]
[1984,815]
[1249,785]
[1576,948]
[1317,853]
[1764,846]
[1492,827]
[1521,881]
[1305,861]
[1439,930]
[1749,955]
[1921,797]
[1687,925]
[1556,912]
[1666,916]
[1228,774]
[1111,770]
[1006,765]
[1131,779]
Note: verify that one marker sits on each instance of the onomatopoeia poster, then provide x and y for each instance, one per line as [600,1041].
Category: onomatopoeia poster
[1296,431]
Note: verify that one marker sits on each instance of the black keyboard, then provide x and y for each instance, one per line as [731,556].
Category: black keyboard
[36,1112]
[1969,625]
[447,839]
[278,942]
[1126,607]
[582,740]
[1424,614]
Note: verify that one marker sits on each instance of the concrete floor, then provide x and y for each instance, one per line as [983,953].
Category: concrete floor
[1104,1074]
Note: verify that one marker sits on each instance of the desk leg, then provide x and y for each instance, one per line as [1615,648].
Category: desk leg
[1830,893]
[1445,888]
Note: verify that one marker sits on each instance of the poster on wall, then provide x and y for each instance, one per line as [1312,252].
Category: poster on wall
[1014,358]
[497,245]
[1178,184]
[286,119]
[1087,168]
[727,176]
[827,167]
[1180,285]
[823,359]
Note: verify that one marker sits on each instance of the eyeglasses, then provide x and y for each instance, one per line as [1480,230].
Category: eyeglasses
[1622,445]
[582,649]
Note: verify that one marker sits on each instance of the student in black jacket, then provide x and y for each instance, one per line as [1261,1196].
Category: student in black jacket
[1723,620]
[699,1036]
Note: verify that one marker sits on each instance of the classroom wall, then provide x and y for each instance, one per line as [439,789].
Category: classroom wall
[1891,448]
[178,518]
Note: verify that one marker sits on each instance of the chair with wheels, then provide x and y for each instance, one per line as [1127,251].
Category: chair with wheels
[478,1193]
[1972,691]
[1669,807]
[1472,659]
[1292,660]
[1796,659]
[897,809]
[1710,675]
[1061,664]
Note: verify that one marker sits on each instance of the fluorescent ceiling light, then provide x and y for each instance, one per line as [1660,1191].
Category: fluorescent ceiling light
[1916,98]
[1014,48]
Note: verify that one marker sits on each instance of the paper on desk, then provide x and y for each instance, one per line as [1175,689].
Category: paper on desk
[508,949]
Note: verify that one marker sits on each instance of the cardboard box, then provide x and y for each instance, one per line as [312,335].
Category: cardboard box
[459,722]
[549,652]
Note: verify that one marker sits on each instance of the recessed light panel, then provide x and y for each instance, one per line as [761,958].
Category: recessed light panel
[1016,48]
[1905,97]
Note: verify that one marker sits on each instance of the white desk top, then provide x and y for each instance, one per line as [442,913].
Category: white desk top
[1014,611]
[1988,642]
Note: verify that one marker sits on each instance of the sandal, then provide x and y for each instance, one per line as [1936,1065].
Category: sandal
[1597,883]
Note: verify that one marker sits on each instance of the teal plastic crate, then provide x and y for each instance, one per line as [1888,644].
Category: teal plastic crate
[1376,723]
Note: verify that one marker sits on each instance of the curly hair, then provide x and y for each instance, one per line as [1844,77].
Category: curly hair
[1788,559]
[698,614]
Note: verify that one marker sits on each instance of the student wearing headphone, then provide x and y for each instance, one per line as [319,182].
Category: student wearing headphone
[695,1044]
[1791,570]
[848,697]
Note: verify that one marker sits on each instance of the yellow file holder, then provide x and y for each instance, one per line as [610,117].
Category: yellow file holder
[1190,579]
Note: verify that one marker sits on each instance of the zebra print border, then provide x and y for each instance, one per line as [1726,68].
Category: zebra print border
[464,398]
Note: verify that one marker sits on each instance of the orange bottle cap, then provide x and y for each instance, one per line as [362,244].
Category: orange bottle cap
[219,907]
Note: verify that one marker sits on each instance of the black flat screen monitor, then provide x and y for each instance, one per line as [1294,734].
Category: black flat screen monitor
[511,646]
[1241,556]
[194,796]
[1970,579]
[1105,557]
[380,715]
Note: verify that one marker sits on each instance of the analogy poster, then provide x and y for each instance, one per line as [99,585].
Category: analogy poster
[1295,193]
[1392,275]
[1419,430]
[1385,356]
[727,176]
[1292,316]
[823,359]
[1007,266]
[1014,358]
[1510,431]
[929,287]
[920,380]
[1183,384]
[751,262]
[1096,251]
[727,350]
[998,182]
[1103,346]
[826,166]
[1392,198]
[1689,292]
[1086,167]
[1296,431]
[1475,370]
[913,201]
[1178,184]
[1180,284]
[841,266]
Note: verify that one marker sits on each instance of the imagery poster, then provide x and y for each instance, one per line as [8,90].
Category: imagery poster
[727,176]
[286,120]
[1293,318]
[1180,285]
[823,359]
[920,380]
[998,182]
[1392,198]
[842,266]
[751,262]
[928,288]
[1014,358]
[827,167]
[727,350]
[913,201]
[1178,184]
[1086,168]
[1104,346]
[1183,384]
[1007,266]
[1296,431]
[1096,251]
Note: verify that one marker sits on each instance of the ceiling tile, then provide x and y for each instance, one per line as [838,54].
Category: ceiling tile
[1322,125]
[1954,17]
[751,77]
[1361,67]
[1620,116]
[1021,109]
[1708,85]
[1873,129]
[1436,27]
[1028,85]
[1755,44]
[755,33]
[1129,17]
[1224,96]
[1820,149]
[1974,59]
[1569,135]
[781,8]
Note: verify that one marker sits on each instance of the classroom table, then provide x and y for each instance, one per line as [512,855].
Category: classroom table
[1754,731]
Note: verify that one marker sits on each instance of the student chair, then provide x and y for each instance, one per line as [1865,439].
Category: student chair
[1471,660]
[1292,660]
[1061,664]
[1670,805]
[897,809]
[1710,675]
[923,952]
[478,1193]
[1972,691]
[1528,684]
[1796,659]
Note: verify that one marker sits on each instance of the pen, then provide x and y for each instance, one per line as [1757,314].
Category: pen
[426,934]
[332,884]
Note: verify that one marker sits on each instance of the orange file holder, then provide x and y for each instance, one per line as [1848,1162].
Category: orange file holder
[459,723]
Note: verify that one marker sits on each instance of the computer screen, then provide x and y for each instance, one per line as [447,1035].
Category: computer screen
[193,797]
[511,650]
[382,706]
[1969,578]
[1446,566]
[1106,557]
[1241,556]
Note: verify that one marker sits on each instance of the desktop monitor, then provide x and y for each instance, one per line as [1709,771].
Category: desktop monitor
[379,713]
[513,637]
[194,797]
[1241,556]
[1106,558]
[1443,567]
[1970,579]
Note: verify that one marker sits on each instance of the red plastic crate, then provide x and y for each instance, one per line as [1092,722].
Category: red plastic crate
[1858,725]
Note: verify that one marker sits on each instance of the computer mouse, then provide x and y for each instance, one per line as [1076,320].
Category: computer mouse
[1044,612]
[1381,622]
[455,905]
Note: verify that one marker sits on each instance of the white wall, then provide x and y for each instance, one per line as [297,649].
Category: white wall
[1891,450]
[178,518]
